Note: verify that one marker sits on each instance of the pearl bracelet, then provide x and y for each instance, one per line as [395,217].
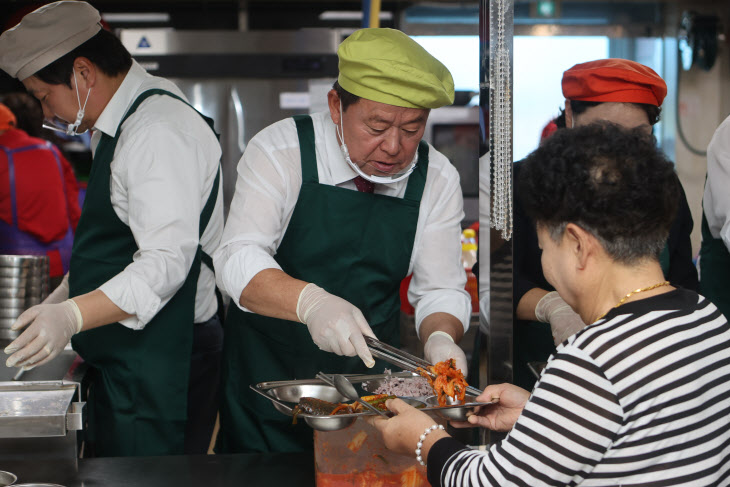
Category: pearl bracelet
[419,445]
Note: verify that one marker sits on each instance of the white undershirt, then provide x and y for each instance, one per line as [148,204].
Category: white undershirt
[267,188]
[165,162]
[716,200]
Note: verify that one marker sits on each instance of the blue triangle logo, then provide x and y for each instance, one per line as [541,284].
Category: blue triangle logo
[143,42]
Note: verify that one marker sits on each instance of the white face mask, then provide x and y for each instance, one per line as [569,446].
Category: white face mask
[373,179]
[57,125]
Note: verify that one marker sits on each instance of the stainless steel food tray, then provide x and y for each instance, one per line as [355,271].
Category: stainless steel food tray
[284,395]
[39,408]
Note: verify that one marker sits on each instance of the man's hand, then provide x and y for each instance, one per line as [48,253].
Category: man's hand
[440,346]
[335,325]
[564,322]
[49,328]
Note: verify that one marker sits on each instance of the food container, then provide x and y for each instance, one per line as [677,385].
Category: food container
[23,283]
[7,478]
[39,421]
[357,456]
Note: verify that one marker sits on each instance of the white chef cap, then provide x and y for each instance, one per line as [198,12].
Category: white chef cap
[45,35]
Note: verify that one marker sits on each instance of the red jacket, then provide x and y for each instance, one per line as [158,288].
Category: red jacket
[46,203]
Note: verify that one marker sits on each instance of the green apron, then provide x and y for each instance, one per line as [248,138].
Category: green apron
[354,245]
[138,380]
[714,270]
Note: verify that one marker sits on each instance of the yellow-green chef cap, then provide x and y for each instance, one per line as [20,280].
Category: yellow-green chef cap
[387,66]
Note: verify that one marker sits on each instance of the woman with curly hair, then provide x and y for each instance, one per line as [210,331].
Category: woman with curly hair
[640,395]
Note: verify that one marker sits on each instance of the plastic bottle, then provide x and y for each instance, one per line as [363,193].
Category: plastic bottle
[468,259]
[468,248]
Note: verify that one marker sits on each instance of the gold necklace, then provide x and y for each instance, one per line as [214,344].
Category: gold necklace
[635,291]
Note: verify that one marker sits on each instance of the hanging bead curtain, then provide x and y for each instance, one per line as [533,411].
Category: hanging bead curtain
[500,114]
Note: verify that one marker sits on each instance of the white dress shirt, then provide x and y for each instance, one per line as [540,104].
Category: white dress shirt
[716,200]
[164,166]
[267,188]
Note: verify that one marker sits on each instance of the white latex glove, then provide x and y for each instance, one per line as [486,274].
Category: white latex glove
[564,322]
[60,294]
[335,325]
[51,328]
[440,346]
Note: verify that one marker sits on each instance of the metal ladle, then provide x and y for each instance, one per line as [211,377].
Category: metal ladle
[346,388]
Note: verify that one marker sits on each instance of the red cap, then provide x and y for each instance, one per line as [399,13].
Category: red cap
[614,80]
[7,119]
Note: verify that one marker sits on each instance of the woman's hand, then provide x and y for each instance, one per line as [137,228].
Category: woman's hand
[402,432]
[508,402]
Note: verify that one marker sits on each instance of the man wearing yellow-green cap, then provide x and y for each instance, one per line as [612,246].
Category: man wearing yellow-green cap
[331,212]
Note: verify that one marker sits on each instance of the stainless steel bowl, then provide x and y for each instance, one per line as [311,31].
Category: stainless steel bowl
[24,303]
[6,322]
[293,393]
[16,272]
[23,261]
[10,312]
[330,423]
[7,478]
[25,292]
[8,336]
[455,411]
[33,280]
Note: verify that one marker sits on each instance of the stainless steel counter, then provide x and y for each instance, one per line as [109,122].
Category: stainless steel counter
[251,470]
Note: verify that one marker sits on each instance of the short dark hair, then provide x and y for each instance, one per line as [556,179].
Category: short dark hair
[345,96]
[27,110]
[653,112]
[105,50]
[612,182]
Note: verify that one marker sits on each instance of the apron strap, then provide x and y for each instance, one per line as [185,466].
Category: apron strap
[209,205]
[305,132]
[417,180]
[107,140]
[157,91]
[11,174]
[11,181]
[53,150]
[213,196]
[205,218]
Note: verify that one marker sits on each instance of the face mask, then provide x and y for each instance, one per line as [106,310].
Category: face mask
[57,125]
[373,179]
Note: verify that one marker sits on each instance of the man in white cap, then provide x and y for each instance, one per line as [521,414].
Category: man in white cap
[152,213]
[331,212]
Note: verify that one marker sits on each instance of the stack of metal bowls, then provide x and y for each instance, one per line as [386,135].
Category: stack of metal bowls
[23,283]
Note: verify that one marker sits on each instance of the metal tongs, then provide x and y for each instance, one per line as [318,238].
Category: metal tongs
[404,360]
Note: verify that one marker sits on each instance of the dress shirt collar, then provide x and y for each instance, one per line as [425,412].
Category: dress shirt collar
[108,121]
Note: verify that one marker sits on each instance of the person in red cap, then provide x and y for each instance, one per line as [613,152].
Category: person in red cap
[630,95]
[39,206]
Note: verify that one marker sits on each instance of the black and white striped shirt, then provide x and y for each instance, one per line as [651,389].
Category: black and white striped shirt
[641,397]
